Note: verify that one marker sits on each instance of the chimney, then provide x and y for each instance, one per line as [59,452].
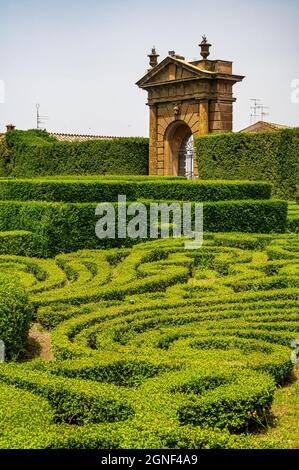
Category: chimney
[10,127]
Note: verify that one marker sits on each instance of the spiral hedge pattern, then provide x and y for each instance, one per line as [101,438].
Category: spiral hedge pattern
[155,346]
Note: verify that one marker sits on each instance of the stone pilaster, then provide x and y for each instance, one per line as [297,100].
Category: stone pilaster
[203,121]
[153,166]
[221,116]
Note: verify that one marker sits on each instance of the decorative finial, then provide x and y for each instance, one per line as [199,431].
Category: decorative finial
[153,57]
[204,48]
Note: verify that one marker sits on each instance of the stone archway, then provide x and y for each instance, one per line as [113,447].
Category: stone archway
[178,144]
[197,93]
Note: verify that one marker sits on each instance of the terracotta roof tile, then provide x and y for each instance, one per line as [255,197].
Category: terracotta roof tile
[63,137]
[260,126]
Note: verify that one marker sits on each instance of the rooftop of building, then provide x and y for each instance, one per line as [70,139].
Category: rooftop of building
[260,126]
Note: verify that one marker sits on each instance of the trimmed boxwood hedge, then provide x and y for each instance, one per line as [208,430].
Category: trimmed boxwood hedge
[270,156]
[36,153]
[16,242]
[15,315]
[209,346]
[293,216]
[66,227]
[5,157]
[107,191]
[74,402]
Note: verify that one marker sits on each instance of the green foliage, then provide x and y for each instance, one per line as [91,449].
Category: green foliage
[5,157]
[36,137]
[269,156]
[74,402]
[65,227]
[191,363]
[293,216]
[35,153]
[230,406]
[17,242]
[15,315]
[102,190]
[245,216]
[155,346]
[19,408]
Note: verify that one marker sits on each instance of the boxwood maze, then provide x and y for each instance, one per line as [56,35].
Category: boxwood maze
[155,346]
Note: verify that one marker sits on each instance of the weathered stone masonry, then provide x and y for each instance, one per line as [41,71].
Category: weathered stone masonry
[185,99]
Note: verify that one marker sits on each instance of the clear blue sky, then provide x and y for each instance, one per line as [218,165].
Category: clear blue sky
[80,59]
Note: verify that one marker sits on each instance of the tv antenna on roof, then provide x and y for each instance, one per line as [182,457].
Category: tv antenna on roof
[39,119]
[254,108]
[263,113]
[257,110]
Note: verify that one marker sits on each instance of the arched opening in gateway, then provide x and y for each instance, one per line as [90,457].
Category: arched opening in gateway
[179,149]
[186,157]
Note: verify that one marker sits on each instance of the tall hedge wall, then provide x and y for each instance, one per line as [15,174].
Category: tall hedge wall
[269,156]
[36,153]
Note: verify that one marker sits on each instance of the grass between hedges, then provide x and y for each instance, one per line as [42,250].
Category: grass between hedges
[282,432]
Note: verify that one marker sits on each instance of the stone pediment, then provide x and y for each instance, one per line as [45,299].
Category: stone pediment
[172,69]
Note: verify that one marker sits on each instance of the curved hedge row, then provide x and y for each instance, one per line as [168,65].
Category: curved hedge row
[15,313]
[18,242]
[293,217]
[205,332]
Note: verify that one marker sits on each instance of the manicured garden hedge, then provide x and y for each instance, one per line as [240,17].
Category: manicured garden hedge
[5,157]
[35,153]
[293,216]
[17,242]
[192,362]
[106,191]
[15,315]
[65,227]
[269,156]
